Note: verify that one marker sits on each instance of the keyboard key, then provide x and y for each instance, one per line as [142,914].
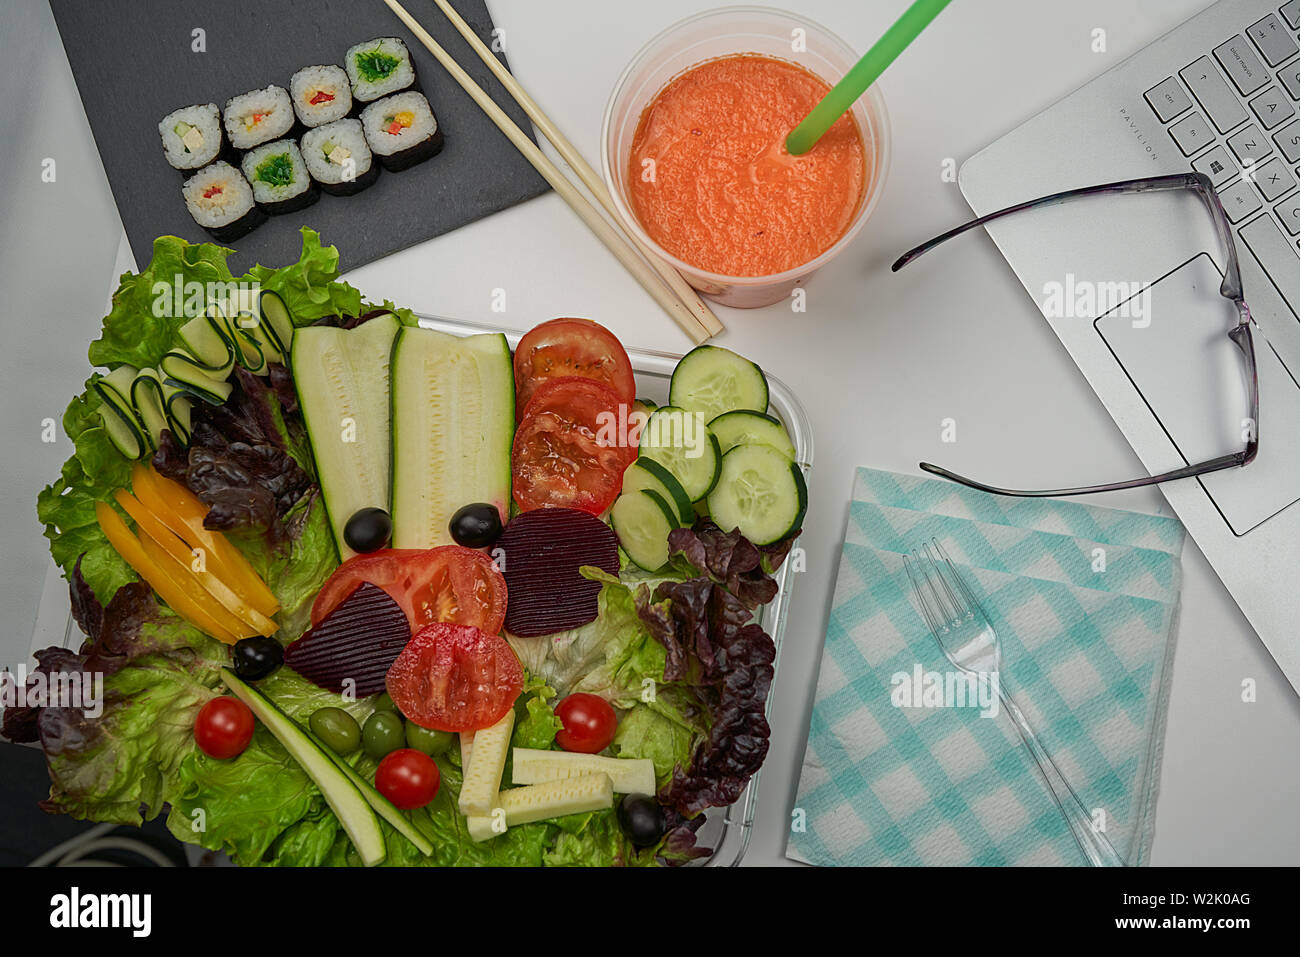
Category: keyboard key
[1272,108]
[1168,99]
[1216,165]
[1272,40]
[1213,93]
[1242,66]
[1250,145]
[1193,133]
[1289,214]
[1288,141]
[1290,77]
[1273,179]
[1291,11]
[1239,200]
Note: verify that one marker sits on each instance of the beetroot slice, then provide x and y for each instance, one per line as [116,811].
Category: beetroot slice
[543,550]
[359,640]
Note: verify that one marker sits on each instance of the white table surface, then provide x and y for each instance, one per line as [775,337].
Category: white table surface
[878,359]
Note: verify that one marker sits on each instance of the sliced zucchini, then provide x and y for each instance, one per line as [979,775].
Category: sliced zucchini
[760,492]
[150,404]
[642,521]
[713,380]
[344,798]
[123,425]
[205,341]
[648,474]
[277,323]
[178,405]
[182,370]
[743,427]
[681,442]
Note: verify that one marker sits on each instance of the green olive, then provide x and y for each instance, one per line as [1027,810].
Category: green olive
[385,703]
[381,734]
[427,740]
[336,728]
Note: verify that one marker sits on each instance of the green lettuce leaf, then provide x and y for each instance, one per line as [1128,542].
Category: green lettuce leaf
[665,731]
[535,722]
[596,840]
[309,287]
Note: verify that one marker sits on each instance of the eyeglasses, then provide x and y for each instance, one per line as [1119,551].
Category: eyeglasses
[1240,334]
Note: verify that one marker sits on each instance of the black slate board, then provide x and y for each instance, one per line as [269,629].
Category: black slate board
[133,64]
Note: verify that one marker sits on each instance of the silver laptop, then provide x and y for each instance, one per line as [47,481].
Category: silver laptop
[1130,283]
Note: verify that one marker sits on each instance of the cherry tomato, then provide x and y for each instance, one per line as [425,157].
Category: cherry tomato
[589,723]
[571,347]
[570,449]
[223,728]
[455,678]
[447,584]
[408,778]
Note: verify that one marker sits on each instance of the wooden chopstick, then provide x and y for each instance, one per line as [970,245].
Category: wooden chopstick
[594,183]
[611,237]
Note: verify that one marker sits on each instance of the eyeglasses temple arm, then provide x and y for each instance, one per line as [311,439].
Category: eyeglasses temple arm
[1144,185]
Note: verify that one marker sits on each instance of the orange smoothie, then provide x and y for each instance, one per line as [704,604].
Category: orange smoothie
[710,179]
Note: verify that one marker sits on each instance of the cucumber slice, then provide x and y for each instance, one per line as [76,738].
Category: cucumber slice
[381,805]
[681,442]
[343,389]
[204,340]
[345,800]
[642,521]
[179,406]
[712,380]
[743,427]
[760,492]
[125,429]
[181,369]
[453,425]
[648,474]
[277,322]
[150,404]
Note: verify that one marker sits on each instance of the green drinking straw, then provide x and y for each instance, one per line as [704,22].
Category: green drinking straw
[864,73]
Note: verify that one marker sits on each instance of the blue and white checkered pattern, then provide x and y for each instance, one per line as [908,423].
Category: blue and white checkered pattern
[1087,654]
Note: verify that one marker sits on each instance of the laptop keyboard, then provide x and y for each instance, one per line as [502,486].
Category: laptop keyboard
[1235,114]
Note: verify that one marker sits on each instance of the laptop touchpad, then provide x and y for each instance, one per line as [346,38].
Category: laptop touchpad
[1174,346]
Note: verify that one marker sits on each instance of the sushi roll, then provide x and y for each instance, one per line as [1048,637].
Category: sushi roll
[221,201]
[320,94]
[279,178]
[338,157]
[191,136]
[258,117]
[401,130]
[379,68]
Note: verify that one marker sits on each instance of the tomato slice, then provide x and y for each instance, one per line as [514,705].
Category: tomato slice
[445,584]
[571,447]
[571,347]
[455,678]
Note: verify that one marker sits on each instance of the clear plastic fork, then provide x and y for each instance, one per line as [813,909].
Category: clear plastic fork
[966,635]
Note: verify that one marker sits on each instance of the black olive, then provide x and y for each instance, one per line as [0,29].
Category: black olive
[476,526]
[368,530]
[257,657]
[642,820]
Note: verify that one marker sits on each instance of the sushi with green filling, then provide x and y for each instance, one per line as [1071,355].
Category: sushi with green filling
[221,201]
[258,117]
[379,68]
[279,178]
[320,94]
[191,136]
[402,130]
[339,158]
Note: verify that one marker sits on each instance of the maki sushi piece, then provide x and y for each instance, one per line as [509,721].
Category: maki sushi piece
[379,68]
[320,94]
[402,130]
[221,201]
[191,136]
[339,158]
[258,117]
[279,178]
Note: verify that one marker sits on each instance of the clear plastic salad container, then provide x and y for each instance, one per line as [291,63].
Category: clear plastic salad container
[726,830]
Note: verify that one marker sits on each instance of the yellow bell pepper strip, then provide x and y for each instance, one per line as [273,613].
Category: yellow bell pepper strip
[148,524]
[180,510]
[129,547]
[196,593]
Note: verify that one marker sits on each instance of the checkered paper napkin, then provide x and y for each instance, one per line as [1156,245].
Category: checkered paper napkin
[1085,602]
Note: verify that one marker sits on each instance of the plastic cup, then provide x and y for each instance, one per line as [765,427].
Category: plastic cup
[725,32]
